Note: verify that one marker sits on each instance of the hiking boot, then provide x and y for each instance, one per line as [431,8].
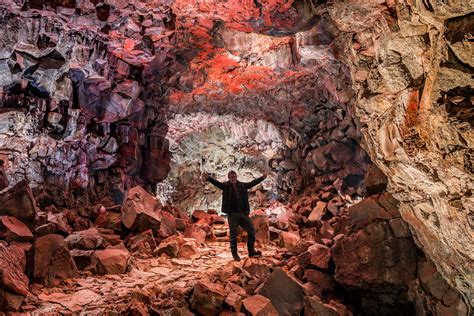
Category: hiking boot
[236,257]
[255,254]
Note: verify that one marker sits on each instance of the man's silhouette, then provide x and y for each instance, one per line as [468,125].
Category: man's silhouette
[235,203]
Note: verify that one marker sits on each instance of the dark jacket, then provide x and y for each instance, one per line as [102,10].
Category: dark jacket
[242,188]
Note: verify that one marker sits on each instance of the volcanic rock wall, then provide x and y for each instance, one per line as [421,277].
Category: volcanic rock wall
[87,86]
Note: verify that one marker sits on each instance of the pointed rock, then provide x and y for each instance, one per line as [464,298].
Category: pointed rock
[11,229]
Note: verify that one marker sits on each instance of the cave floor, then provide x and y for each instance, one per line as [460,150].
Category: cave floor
[164,279]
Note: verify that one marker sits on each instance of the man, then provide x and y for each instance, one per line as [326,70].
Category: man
[235,203]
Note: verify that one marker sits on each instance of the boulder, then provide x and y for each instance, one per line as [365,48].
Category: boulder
[89,239]
[12,276]
[262,227]
[207,298]
[169,246]
[143,243]
[314,306]
[189,250]
[112,260]
[375,180]
[19,203]
[317,213]
[324,282]
[51,261]
[258,305]
[201,217]
[319,256]
[12,229]
[10,301]
[140,210]
[289,301]
[197,232]
[289,240]
[85,260]
[168,224]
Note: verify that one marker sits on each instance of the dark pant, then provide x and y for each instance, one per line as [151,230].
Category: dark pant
[237,219]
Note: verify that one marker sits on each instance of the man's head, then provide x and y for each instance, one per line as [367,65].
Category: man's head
[232,175]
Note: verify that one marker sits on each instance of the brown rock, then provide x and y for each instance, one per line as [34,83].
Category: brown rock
[143,243]
[202,217]
[52,262]
[197,232]
[85,260]
[10,301]
[189,250]
[320,256]
[12,277]
[375,180]
[11,229]
[324,282]
[289,301]
[89,239]
[314,306]
[168,224]
[140,210]
[112,260]
[20,203]
[317,213]
[169,246]
[262,228]
[207,298]
[289,240]
[259,305]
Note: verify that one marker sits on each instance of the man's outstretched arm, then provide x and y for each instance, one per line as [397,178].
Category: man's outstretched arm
[216,183]
[253,183]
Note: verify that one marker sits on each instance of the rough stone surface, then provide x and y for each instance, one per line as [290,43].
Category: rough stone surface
[11,229]
[51,261]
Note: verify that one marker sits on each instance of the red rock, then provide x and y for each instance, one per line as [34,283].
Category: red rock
[11,229]
[320,256]
[112,260]
[85,260]
[12,277]
[19,203]
[169,246]
[324,282]
[10,301]
[202,217]
[234,300]
[314,306]
[216,219]
[52,262]
[262,228]
[207,298]
[168,224]
[189,250]
[289,301]
[289,240]
[197,232]
[375,180]
[89,239]
[317,213]
[143,243]
[259,305]
[140,210]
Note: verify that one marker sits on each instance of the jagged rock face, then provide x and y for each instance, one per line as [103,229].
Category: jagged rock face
[87,87]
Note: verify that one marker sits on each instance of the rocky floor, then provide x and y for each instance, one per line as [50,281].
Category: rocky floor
[156,281]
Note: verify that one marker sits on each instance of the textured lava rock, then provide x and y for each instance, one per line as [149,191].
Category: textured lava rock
[51,261]
[11,229]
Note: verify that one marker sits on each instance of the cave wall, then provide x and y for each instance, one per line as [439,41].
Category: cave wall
[412,74]
[87,87]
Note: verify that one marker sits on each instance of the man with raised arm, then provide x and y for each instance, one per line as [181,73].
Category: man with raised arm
[235,203]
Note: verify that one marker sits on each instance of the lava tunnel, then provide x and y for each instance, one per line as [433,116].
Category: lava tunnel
[115,114]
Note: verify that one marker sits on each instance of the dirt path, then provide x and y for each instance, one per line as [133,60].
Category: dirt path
[160,282]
